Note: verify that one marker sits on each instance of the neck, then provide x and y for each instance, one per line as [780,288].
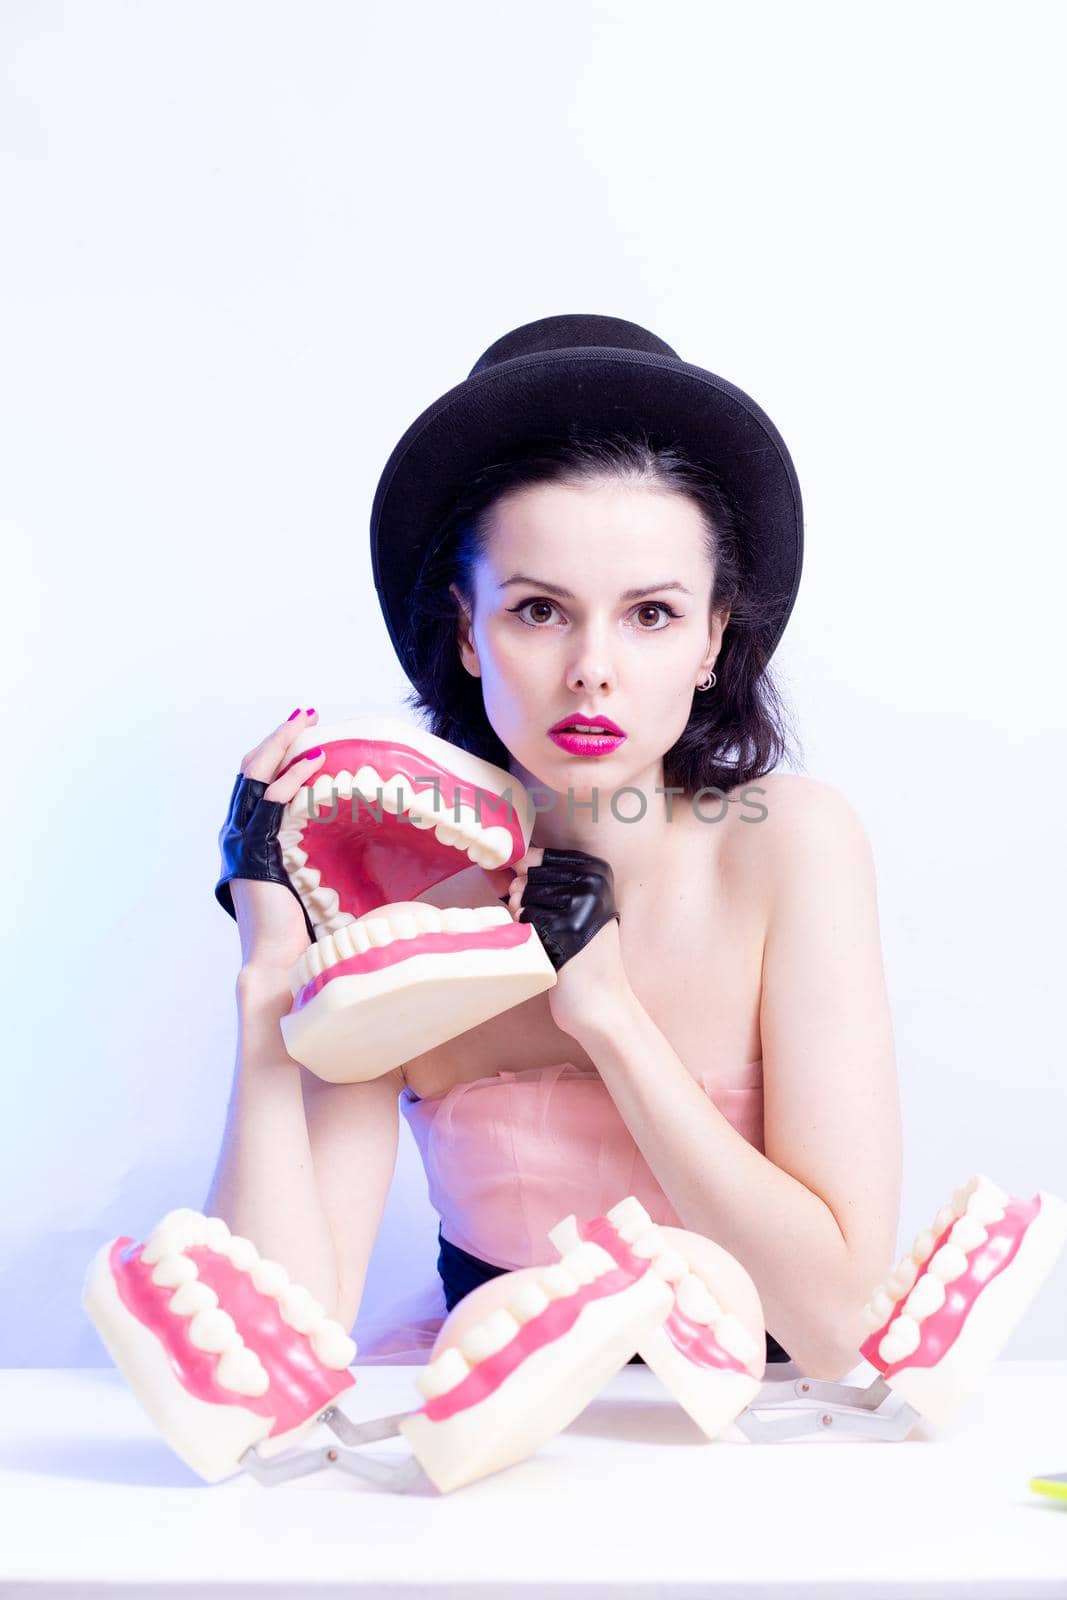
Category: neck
[625,820]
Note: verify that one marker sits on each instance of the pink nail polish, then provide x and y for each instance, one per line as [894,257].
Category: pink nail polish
[310,711]
[312,755]
[296,713]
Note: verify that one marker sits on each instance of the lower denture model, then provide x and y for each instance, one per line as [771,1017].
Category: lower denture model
[393,811]
[235,1364]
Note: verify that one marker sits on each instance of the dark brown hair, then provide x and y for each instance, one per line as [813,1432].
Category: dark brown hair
[737,731]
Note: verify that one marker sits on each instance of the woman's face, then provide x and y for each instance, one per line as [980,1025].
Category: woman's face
[591,601]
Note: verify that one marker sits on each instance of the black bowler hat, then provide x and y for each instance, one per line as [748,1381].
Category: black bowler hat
[579,371]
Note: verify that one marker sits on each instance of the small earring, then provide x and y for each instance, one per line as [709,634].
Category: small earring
[711,682]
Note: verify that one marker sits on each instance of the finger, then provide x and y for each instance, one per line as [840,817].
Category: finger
[269,757]
[285,787]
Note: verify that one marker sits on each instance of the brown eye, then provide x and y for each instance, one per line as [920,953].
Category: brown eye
[656,606]
[527,605]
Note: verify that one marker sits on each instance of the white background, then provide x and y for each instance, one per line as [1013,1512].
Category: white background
[244,245]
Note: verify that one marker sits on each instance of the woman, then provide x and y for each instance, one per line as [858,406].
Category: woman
[616,535]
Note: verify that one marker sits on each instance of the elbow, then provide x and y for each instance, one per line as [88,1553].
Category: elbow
[828,1350]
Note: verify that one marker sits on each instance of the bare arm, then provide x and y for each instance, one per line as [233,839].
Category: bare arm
[305,1166]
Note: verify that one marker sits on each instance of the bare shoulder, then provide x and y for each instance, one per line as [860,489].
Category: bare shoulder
[787,821]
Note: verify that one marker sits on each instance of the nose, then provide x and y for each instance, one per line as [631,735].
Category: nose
[591,667]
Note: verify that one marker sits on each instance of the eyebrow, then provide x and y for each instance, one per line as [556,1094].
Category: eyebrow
[565,594]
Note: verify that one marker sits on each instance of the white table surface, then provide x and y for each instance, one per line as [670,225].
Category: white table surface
[630,1500]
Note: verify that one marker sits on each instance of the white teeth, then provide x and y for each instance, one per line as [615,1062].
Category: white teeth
[587,1261]
[882,1304]
[332,1344]
[213,1329]
[902,1276]
[944,1219]
[397,795]
[242,1252]
[734,1337]
[323,790]
[629,1218]
[449,1369]
[696,1301]
[529,1302]
[962,1195]
[299,1308]
[671,1266]
[927,1297]
[170,1271]
[341,936]
[901,1340]
[648,1244]
[176,1232]
[947,1263]
[306,879]
[240,1370]
[324,902]
[489,1336]
[924,1243]
[497,843]
[872,1318]
[556,1281]
[189,1298]
[968,1233]
[269,1277]
[987,1203]
[216,1234]
[312,959]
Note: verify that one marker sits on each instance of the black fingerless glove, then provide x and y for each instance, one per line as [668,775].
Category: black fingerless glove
[568,898]
[249,845]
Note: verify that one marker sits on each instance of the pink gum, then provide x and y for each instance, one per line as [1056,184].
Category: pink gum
[299,1383]
[939,1330]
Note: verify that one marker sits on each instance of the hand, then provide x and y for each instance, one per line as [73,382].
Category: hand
[569,897]
[275,929]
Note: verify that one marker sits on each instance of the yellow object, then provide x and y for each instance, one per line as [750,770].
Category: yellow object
[1054,1484]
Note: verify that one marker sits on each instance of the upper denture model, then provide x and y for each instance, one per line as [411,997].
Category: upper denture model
[949,1306]
[394,811]
[520,1356]
[220,1347]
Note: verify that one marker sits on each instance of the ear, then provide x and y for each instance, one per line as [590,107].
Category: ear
[719,619]
[468,653]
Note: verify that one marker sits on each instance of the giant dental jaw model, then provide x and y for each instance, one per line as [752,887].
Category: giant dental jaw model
[221,1349]
[234,1363]
[393,811]
[940,1320]
[711,1349]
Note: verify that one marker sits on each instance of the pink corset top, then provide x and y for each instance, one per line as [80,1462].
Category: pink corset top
[508,1155]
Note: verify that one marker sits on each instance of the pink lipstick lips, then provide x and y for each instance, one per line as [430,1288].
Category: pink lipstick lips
[586,736]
